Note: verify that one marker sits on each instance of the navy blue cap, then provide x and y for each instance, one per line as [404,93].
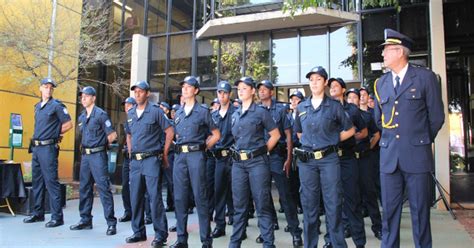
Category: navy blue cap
[130,100]
[48,81]
[353,90]
[317,70]
[191,81]
[237,100]
[215,100]
[224,86]
[175,107]
[165,104]
[142,85]
[339,80]
[246,80]
[297,94]
[371,96]
[393,37]
[265,83]
[363,88]
[88,90]
[286,106]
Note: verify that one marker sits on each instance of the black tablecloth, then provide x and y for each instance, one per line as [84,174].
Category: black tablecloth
[11,180]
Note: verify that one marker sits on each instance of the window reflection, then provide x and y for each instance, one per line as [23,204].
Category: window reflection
[344,52]
[116,17]
[157,17]
[157,67]
[207,62]
[314,50]
[258,56]
[180,62]
[134,15]
[285,59]
[231,58]
[181,15]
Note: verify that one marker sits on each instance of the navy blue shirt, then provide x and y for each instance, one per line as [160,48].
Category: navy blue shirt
[49,119]
[320,127]
[95,129]
[364,144]
[225,127]
[147,130]
[194,128]
[356,117]
[280,117]
[294,136]
[249,127]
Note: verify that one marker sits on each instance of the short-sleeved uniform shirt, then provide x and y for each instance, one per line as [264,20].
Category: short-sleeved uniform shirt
[95,128]
[194,128]
[49,119]
[224,123]
[280,117]
[356,118]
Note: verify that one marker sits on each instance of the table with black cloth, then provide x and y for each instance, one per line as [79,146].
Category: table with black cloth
[11,183]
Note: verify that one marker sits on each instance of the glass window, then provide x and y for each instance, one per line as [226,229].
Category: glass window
[207,62]
[231,58]
[180,62]
[257,58]
[418,32]
[116,15]
[157,17]
[343,52]
[314,50]
[134,16]
[285,57]
[157,66]
[181,15]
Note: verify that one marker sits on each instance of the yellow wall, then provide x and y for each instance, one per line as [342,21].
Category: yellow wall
[19,90]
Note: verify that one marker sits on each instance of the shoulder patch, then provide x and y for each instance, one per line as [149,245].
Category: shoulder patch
[302,113]
[108,123]
[65,111]
[129,120]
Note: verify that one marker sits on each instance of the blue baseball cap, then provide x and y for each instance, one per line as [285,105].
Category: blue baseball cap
[141,85]
[215,100]
[48,81]
[339,80]
[393,37]
[353,90]
[175,107]
[191,81]
[297,94]
[246,80]
[224,86]
[237,100]
[317,70]
[265,83]
[130,100]
[165,104]
[363,88]
[88,90]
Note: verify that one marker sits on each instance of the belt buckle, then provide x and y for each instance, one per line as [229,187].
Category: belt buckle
[88,151]
[138,156]
[224,153]
[339,153]
[318,155]
[37,142]
[185,149]
[357,155]
[243,156]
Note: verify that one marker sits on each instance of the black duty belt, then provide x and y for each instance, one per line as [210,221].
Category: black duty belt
[304,155]
[92,150]
[189,148]
[347,153]
[221,153]
[44,142]
[280,149]
[243,155]
[143,155]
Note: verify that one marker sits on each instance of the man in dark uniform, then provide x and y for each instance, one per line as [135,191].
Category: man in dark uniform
[195,133]
[168,172]
[363,156]
[51,122]
[281,157]
[409,111]
[97,133]
[353,220]
[146,124]
[222,118]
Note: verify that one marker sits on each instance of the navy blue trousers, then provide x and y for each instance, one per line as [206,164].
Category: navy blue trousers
[222,190]
[368,192]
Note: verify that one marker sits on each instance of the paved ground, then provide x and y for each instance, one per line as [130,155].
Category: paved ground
[13,233]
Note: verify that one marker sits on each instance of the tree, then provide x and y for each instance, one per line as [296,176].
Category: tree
[82,40]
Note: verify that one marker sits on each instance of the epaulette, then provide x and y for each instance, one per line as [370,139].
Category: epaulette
[59,102]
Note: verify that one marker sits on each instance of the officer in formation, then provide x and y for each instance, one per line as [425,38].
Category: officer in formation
[52,120]
[222,118]
[321,124]
[409,111]
[281,158]
[97,133]
[251,164]
[195,133]
[167,173]
[146,124]
[364,147]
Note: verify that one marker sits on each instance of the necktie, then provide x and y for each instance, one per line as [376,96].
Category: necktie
[397,85]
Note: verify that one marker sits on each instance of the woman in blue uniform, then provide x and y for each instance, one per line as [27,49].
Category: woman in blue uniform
[318,124]
[251,168]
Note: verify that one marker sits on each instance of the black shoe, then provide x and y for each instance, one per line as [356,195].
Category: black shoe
[244,236]
[125,218]
[206,246]
[33,218]
[217,233]
[172,229]
[276,226]
[179,245]
[158,243]
[111,230]
[54,223]
[230,222]
[327,245]
[148,221]
[169,209]
[281,210]
[297,241]
[286,229]
[299,210]
[259,239]
[81,226]
[378,235]
[347,233]
[135,238]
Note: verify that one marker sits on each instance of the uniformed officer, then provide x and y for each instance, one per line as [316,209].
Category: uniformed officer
[295,98]
[353,220]
[97,133]
[52,120]
[215,104]
[168,172]
[236,102]
[195,133]
[321,124]
[281,157]
[409,111]
[363,148]
[251,164]
[222,118]
[146,124]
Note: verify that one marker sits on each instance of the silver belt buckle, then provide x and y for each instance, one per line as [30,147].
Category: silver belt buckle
[243,156]
[318,155]
[88,151]
[224,153]
[357,155]
[37,142]
[339,153]
[138,156]
[185,148]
